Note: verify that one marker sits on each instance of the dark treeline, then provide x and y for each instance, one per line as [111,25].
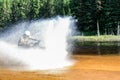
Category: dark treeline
[94,17]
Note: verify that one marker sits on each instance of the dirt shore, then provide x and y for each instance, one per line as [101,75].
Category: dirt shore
[85,68]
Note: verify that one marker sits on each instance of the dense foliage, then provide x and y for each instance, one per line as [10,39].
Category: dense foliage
[94,17]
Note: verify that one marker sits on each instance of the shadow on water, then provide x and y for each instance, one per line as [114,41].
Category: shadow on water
[96,48]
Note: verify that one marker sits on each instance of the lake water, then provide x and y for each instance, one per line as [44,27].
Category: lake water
[96,48]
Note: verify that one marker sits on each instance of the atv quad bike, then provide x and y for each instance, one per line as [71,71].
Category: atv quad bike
[33,43]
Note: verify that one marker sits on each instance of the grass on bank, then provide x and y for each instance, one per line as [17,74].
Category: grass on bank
[102,38]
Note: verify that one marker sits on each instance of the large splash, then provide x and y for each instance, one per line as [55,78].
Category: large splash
[52,32]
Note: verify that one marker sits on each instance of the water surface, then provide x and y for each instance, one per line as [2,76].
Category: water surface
[96,48]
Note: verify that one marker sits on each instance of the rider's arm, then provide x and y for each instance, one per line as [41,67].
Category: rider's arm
[33,39]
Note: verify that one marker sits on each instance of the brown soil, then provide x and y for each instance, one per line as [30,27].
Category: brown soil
[85,68]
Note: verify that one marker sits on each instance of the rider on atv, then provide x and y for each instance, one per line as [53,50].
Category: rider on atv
[27,41]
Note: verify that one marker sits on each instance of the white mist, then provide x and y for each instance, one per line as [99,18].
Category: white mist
[53,33]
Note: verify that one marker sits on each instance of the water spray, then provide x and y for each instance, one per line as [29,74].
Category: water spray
[52,32]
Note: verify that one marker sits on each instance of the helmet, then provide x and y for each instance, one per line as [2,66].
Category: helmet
[27,33]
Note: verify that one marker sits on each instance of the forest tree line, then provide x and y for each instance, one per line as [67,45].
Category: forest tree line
[93,17]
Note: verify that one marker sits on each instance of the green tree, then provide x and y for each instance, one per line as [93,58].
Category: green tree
[15,11]
[111,16]
[84,12]
[5,13]
[34,7]
[62,7]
